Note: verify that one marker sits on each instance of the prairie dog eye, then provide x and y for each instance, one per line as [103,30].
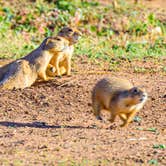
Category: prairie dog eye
[70,30]
[135,90]
[58,39]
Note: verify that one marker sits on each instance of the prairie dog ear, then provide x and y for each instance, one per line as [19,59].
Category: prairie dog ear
[49,44]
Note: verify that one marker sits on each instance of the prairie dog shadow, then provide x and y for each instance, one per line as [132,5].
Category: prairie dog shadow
[43,125]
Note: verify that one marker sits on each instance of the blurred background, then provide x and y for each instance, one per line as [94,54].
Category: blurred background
[113,30]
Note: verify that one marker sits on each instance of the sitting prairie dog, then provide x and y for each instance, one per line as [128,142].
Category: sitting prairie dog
[40,57]
[17,74]
[24,72]
[119,97]
[61,63]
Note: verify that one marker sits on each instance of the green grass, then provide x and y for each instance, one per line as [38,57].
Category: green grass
[15,46]
[159,146]
[100,47]
[153,162]
[125,32]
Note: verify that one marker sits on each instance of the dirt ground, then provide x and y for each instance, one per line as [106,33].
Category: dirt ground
[52,123]
[155,3]
[150,3]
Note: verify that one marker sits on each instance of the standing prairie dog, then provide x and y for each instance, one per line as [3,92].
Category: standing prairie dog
[61,63]
[119,97]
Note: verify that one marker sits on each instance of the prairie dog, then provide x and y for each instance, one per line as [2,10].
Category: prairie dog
[24,72]
[119,97]
[40,57]
[17,74]
[61,63]
[70,34]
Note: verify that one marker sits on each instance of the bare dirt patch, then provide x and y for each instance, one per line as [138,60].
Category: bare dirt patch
[52,123]
[155,3]
[148,3]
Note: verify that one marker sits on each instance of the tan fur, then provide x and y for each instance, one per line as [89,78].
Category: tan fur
[24,72]
[40,57]
[61,63]
[119,97]
[17,74]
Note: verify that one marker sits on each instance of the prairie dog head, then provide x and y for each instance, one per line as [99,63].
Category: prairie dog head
[71,34]
[56,44]
[132,98]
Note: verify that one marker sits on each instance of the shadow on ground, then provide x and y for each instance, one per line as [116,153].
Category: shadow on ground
[41,125]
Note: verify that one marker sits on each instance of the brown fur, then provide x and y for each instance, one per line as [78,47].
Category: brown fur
[40,57]
[119,97]
[61,63]
[24,72]
[17,74]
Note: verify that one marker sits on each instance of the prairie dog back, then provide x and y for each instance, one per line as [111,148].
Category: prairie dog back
[119,97]
[18,74]
[106,87]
